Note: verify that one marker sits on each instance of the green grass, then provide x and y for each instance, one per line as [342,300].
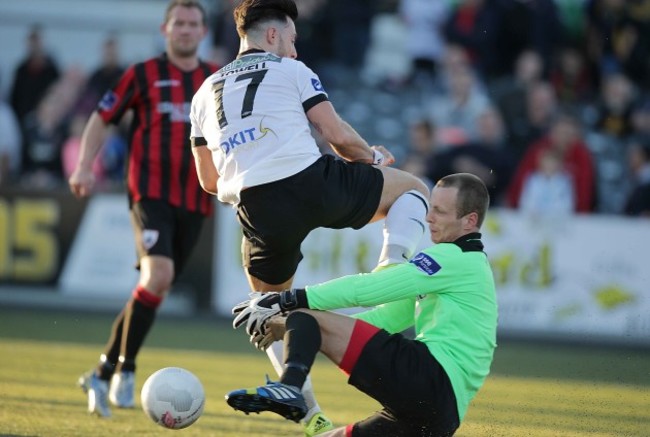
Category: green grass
[534,389]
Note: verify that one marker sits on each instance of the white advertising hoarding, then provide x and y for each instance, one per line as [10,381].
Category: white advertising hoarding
[102,257]
[585,276]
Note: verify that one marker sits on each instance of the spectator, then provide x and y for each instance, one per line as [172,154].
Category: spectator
[425,43]
[10,145]
[486,157]
[349,21]
[548,191]
[104,76]
[224,38]
[639,13]
[47,128]
[525,25]
[510,92]
[641,117]
[617,40]
[455,59]
[312,26]
[570,77]
[33,76]
[638,201]
[422,140]
[566,139]
[473,24]
[533,123]
[455,114]
[613,111]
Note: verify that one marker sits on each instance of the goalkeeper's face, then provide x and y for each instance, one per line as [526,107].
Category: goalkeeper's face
[444,224]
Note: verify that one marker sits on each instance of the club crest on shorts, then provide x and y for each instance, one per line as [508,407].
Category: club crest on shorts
[149,238]
[425,263]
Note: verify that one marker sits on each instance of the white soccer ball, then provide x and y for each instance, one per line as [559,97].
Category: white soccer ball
[173,397]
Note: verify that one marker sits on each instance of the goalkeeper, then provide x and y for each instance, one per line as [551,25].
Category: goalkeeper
[424,384]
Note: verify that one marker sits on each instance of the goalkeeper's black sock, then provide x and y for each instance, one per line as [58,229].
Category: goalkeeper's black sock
[302,341]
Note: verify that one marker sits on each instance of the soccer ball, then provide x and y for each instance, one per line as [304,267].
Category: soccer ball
[173,397]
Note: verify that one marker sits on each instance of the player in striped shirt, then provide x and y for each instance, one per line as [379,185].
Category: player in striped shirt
[167,204]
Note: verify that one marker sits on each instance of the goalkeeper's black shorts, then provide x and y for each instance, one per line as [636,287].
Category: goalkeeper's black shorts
[277,217]
[414,389]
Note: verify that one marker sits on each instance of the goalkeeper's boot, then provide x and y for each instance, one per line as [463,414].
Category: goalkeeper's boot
[318,424]
[97,391]
[121,391]
[282,399]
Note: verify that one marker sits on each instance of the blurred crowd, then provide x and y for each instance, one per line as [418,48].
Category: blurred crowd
[548,101]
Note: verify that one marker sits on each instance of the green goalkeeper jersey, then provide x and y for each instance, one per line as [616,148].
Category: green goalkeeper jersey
[446,292]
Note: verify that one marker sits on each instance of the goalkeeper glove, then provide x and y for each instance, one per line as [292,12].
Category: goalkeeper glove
[255,312]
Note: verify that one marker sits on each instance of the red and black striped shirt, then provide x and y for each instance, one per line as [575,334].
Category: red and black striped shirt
[160,163]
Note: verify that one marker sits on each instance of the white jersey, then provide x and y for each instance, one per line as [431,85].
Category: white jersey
[252,116]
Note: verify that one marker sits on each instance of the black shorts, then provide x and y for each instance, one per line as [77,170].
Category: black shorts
[414,389]
[277,217]
[165,230]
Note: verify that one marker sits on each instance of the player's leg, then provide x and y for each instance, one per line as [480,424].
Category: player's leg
[404,205]
[156,276]
[405,378]
[271,220]
[398,372]
[357,194]
[302,340]
[154,224]
[178,232]
[160,254]
[314,420]
[114,377]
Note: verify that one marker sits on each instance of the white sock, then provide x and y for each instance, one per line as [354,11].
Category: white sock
[404,226]
[276,355]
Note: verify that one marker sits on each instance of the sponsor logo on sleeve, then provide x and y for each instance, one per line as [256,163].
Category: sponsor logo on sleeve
[426,264]
[108,101]
[317,85]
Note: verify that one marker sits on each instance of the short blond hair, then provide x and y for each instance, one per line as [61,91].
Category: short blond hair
[472,194]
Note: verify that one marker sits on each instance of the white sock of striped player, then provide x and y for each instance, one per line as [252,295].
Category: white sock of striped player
[276,355]
[404,226]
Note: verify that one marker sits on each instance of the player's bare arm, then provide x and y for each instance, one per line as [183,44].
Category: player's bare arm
[345,141]
[205,169]
[82,178]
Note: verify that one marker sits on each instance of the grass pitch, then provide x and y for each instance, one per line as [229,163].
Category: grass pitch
[534,389]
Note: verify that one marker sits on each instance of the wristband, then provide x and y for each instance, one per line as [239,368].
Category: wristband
[293,299]
[377,157]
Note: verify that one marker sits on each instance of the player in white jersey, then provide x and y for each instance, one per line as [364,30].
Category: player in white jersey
[253,149]
[273,141]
